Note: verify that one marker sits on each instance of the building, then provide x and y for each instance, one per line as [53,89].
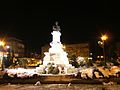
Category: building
[10,47]
[81,49]
[16,46]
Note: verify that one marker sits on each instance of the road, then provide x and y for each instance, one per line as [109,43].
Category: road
[58,87]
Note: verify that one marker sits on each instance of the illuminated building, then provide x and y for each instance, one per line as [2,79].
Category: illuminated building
[81,49]
[15,46]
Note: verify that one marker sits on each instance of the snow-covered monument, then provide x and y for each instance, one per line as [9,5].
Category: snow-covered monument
[56,53]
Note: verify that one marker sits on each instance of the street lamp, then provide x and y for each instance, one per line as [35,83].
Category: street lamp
[2,44]
[104,38]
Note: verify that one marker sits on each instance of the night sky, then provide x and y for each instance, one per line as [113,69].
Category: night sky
[32,20]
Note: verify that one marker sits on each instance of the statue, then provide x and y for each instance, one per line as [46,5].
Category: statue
[56,27]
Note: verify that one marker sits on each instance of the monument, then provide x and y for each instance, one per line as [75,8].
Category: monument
[56,53]
[56,60]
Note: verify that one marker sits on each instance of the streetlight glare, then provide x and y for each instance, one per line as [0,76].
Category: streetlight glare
[104,37]
[100,43]
[7,47]
[2,43]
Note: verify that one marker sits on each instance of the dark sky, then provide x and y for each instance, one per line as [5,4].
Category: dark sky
[32,20]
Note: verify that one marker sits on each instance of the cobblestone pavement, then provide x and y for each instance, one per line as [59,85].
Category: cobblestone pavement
[58,87]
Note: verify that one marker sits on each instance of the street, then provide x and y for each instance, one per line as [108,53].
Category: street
[58,87]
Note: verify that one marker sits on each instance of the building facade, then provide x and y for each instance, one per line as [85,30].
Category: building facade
[16,46]
[81,49]
[9,48]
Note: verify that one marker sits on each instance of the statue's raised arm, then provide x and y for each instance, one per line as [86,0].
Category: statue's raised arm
[56,27]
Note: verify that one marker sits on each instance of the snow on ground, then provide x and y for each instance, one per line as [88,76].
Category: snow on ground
[85,72]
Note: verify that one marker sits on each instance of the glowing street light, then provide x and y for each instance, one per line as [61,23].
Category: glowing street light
[2,44]
[7,47]
[104,38]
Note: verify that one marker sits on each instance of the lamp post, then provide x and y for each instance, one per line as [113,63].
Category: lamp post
[104,38]
[2,44]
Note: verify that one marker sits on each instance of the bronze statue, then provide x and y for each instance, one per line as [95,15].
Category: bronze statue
[56,27]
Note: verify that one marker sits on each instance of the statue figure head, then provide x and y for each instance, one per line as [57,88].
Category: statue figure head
[56,27]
